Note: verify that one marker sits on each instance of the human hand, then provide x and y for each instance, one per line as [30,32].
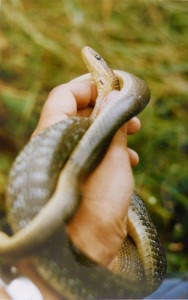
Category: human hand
[98,227]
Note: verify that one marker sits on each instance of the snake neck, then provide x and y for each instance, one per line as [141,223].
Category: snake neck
[110,84]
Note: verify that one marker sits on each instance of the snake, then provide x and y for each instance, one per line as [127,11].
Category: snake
[44,192]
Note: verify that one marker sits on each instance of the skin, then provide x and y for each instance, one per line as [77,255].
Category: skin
[108,188]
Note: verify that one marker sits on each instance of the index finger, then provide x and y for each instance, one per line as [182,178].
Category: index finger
[65,100]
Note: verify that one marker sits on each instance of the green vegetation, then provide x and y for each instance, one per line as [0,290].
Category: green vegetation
[40,43]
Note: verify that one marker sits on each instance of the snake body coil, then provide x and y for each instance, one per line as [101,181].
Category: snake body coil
[43,193]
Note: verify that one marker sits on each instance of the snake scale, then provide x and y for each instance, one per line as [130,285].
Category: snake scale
[44,191]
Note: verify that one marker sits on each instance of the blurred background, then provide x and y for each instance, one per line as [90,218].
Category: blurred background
[40,44]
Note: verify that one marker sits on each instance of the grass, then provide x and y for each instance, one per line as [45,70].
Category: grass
[40,43]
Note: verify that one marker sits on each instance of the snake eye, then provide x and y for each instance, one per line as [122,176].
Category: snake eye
[98,57]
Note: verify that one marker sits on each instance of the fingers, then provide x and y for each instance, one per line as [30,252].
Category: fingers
[64,101]
[133,126]
[133,156]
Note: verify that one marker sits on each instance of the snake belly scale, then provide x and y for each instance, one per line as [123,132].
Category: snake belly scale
[44,191]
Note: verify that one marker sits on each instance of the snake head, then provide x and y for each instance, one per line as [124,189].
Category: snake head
[100,71]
